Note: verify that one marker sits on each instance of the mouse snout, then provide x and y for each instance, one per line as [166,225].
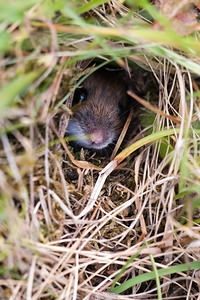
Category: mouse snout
[97,137]
[89,136]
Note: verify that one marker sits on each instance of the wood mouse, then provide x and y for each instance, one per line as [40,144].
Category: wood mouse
[100,108]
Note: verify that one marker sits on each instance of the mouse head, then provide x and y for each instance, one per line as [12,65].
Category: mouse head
[99,110]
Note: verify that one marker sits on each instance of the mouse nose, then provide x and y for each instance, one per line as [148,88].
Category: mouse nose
[96,137]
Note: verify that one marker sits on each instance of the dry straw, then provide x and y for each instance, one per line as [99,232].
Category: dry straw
[71,222]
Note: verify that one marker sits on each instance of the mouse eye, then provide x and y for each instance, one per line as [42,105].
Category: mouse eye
[80,95]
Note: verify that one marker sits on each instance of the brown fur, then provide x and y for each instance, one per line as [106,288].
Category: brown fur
[105,90]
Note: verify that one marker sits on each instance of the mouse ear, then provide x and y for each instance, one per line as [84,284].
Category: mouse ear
[80,95]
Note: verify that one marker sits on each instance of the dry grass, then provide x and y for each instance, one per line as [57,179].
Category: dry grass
[66,232]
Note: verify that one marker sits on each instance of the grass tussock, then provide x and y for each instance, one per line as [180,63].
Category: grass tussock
[75,225]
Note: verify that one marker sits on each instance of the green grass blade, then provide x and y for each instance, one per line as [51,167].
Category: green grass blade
[14,88]
[156,277]
[130,260]
[147,139]
[15,12]
[182,60]
[195,265]
[5,41]
[91,5]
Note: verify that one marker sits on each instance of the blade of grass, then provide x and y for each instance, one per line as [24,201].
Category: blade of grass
[71,12]
[135,36]
[182,60]
[129,261]
[15,12]
[14,88]
[91,5]
[13,127]
[156,277]
[195,265]
[147,139]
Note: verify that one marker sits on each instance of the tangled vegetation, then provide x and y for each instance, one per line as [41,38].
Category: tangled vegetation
[83,225]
